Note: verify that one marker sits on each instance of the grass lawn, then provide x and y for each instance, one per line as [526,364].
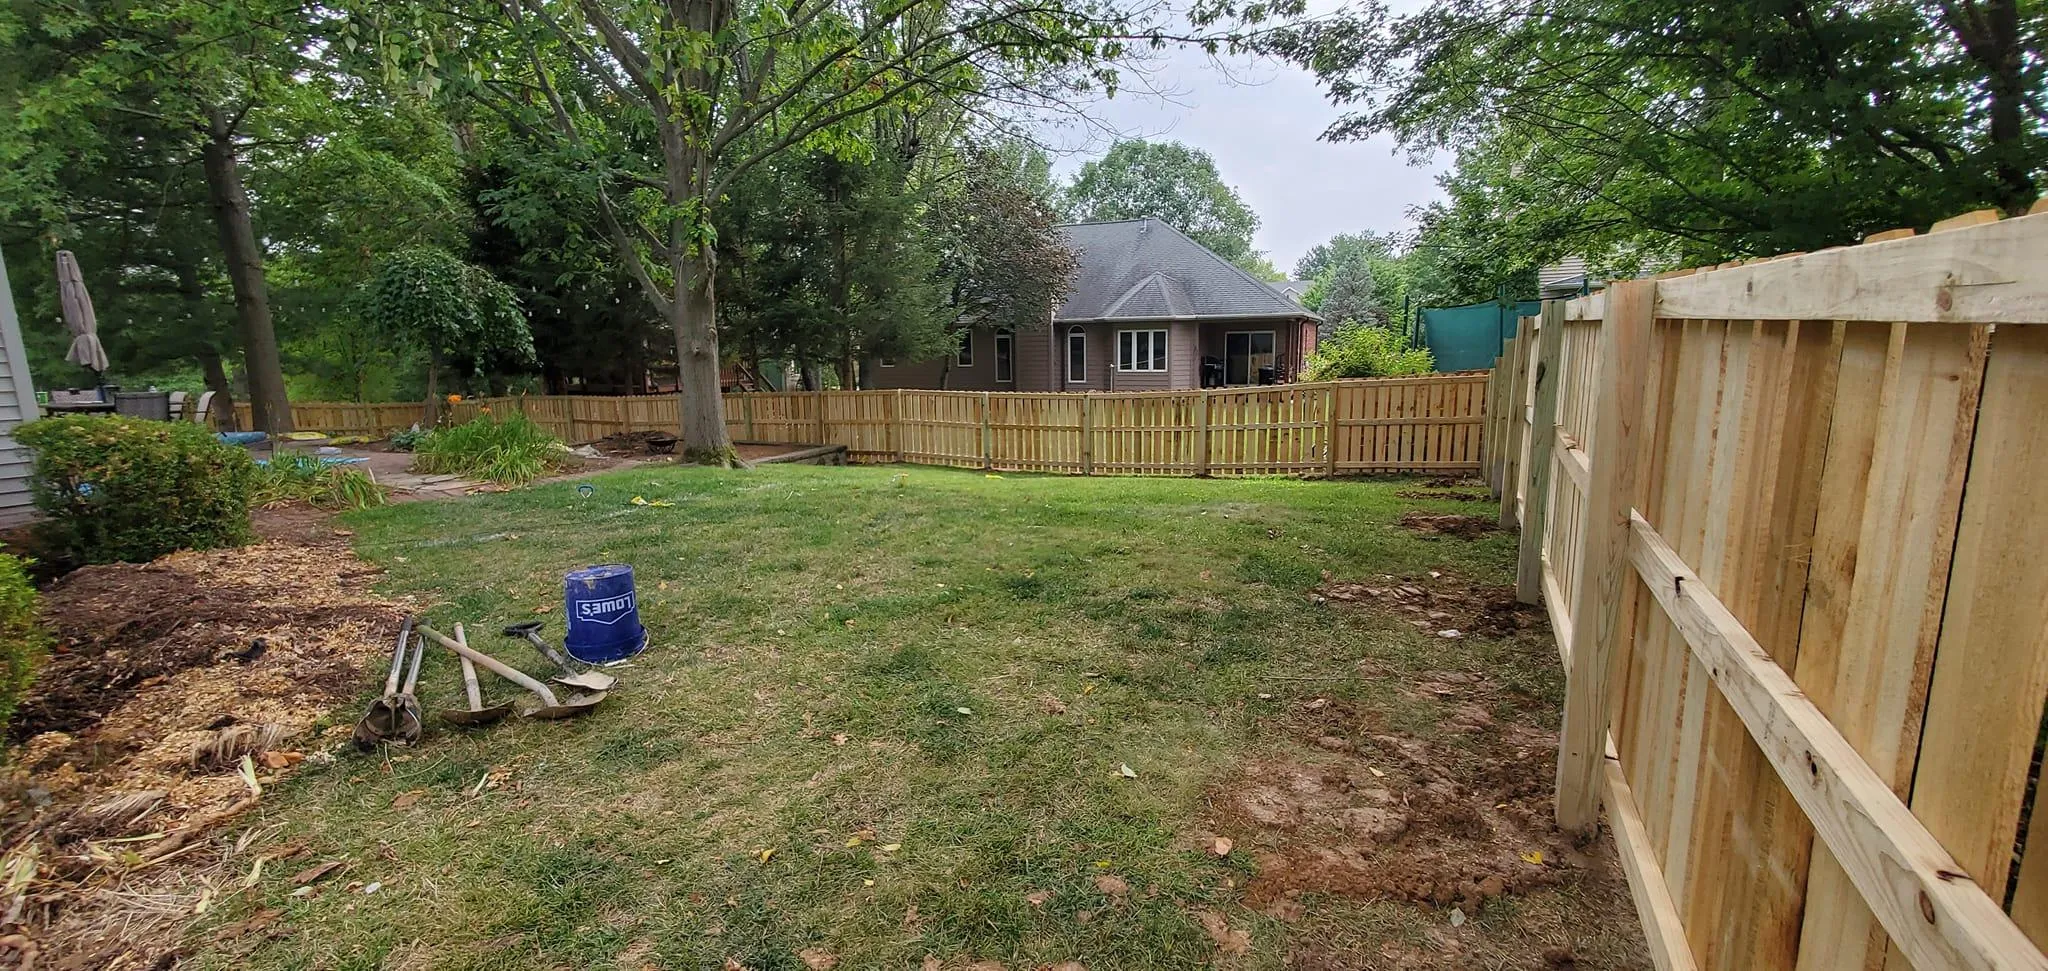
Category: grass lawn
[884,719]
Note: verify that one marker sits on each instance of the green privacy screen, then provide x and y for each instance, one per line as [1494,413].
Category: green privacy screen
[1468,338]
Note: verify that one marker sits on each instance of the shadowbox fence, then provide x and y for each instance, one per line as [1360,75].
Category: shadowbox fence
[1786,519]
[1426,424]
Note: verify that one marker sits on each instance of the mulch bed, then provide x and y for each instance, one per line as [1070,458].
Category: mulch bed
[162,677]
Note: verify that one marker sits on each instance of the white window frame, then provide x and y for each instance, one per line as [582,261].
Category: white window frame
[1155,341]
[888,362]
[1076,333]
[964,355]
[1005,351]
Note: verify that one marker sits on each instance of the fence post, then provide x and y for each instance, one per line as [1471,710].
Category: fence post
[1542,435]
[1599,621]
[988,452]
[1201,455]
[1087,433]
[818,402]
[1330,431]
[747,400]
[896,422]
[1511,463]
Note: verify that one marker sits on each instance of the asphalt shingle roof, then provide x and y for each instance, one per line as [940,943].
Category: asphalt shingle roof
[1144,269]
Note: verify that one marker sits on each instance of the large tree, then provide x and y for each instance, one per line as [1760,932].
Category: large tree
[209,74]
[1169,181]
[653,110]
[1667,130]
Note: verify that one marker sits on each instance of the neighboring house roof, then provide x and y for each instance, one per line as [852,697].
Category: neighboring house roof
[1144,269]
[1294,289]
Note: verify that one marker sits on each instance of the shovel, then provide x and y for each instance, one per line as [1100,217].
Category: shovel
[396,716]
[550,706]
[588,680]
[476,713]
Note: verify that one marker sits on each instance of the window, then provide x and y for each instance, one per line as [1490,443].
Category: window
[1077,355]
[1248,357]
[1005,368]
[888,362]
[1141,350]
[965,356]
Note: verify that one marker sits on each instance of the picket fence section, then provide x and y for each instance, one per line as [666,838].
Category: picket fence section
[1421,424]
[1785,519]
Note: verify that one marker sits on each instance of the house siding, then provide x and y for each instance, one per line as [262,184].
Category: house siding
[1041,358]
[17,405]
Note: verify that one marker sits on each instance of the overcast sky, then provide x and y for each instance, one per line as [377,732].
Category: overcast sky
[1261,120]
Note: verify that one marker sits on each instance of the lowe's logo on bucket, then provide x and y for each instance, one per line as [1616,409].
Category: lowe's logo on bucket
[608,611]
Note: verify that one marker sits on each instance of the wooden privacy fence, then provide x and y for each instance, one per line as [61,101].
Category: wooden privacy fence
[1785,517]
[1420,424]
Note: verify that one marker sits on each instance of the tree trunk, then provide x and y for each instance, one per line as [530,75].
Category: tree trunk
[270,409]
[223,390]
[431,411]
[694,314]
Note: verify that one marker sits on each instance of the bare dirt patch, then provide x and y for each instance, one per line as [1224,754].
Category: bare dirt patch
[1440,603]
[163,676]
[1447,524]
[1444,496]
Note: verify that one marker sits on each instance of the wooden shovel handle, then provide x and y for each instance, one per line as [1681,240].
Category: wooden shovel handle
[476,697]
[491,664]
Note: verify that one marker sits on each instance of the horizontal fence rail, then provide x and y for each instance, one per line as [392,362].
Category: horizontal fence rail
[1784,518]
[1430,424]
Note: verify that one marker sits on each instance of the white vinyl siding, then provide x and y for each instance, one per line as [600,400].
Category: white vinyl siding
[1141,350]
[17,405]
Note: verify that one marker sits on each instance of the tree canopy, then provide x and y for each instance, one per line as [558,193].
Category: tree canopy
[1171,182]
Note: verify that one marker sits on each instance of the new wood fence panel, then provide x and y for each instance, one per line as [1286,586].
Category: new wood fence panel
[1825,725]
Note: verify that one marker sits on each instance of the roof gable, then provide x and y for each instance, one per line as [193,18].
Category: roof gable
[1144,269]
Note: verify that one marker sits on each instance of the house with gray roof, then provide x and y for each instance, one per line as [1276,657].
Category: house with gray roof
[1150,310]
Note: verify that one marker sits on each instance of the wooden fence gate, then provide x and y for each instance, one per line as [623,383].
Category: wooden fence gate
[1786,519]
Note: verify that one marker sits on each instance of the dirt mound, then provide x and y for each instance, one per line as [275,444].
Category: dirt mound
[1441,603]
[163,677]
[1445,496]
[638,443]
[1451,481]
[1433,524]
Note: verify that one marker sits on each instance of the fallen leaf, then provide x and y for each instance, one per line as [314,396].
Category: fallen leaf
[1221,846]
[1111,885]
[1449,635]
[867,883]
[932,963]
[963,709]
[1206,575]
[256,922]
[1089,690]
[766,855]
[732,965]
[818,959]
[1317,704]
[1533,856]
[1227,940]
[1037,898]
[1064,966]
[839,739]
[1126,771]
[1376,773]
[274,760]
[315,872]
[407,798]
[1052,705]
[1457,917]
[543,608]
[372,888]
[891,847]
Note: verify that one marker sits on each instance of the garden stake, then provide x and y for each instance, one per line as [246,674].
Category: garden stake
[550,706]
[476,713]
[591,680]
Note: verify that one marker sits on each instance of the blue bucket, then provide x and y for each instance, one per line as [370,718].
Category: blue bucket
[604,616]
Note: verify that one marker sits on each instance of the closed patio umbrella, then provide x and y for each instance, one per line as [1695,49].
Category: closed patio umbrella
[78,315]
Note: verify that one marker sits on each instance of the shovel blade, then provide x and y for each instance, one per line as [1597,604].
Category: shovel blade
[569,707]
[588,680]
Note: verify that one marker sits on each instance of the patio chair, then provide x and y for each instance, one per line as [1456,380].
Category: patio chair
[205,404]
[178,405]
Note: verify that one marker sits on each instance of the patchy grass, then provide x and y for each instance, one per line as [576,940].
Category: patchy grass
[915,687]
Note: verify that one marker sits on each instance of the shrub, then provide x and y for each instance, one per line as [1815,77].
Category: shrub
[409,439]
[293,478]
[1366,351]
[508,451]
[22,638]
[125,489]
